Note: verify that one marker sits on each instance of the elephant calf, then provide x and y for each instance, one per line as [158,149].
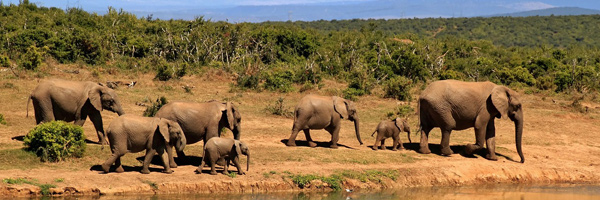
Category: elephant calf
[229,149]
[391,128]
[133,134]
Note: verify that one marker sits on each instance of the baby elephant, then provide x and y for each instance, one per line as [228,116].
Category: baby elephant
[217,148]
[129,133]
[391,128]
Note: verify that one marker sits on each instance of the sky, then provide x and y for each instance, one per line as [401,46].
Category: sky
[260,10]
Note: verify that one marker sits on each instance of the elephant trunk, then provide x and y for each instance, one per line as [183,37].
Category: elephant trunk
[518,136]
[120,111]
[248,161]
[408,135]
[181,144]
[236,132]
[356,128]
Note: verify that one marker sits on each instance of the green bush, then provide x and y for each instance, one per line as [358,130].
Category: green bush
[398,88]
[247,82]
[401,111]
[2,120]
[32,58]
[152,109]
[163,73]
[279,108]
[279,81]
[56,140]
[4,61]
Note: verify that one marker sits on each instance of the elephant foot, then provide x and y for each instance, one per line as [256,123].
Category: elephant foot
[213,172]
[394,149]
[173,165]
[120,169]
[334,146]
[168,171]
[424,150]
[241,173]
[374,148]
[447,151]
[290,144]
[198,171]
[491,157]
[102,142]
[145,171]
[105,168]
[312,144]
[471,148]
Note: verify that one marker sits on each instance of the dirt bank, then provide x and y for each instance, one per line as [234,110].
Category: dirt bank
[560,146]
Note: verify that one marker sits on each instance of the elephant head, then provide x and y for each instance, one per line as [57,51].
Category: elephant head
[172,133]
[242,149]
[102,97]
[347,110]
[402,125]
[507,102]
[234,119]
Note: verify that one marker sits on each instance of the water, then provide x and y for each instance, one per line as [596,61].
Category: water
[579,192]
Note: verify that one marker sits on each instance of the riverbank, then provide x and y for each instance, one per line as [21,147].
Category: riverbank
[560,145]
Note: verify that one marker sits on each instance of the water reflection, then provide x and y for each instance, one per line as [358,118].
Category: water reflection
[579,192]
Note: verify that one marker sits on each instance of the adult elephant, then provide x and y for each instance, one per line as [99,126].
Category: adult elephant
[456,105]
[57,99]
[323,112]
[202,121]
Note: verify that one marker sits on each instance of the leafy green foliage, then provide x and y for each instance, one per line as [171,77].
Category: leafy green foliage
[44,188]
[32,58]
[399,88]
[279,108]
[2,120]
[152,109]
[55,141]
[401,111]
[279,80]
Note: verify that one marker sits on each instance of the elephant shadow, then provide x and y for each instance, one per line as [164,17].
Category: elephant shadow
[457,149]
[188,160]
[304,143]
[126,168]
[22,137]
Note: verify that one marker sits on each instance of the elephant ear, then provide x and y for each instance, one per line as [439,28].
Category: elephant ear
[499,98]
[399,123]
[237,147]
[95,97]
[230,117]
[163,128]
[339,105]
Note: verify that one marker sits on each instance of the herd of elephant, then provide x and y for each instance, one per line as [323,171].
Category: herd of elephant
[447,104]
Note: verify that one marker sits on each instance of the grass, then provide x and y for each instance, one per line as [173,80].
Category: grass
[232,174]
[44,188]
[334,181]
[153,185]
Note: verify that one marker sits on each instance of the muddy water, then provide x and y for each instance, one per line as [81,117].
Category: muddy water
[578,192]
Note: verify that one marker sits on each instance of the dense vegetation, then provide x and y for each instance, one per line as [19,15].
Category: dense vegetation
[557,53]
[55,141]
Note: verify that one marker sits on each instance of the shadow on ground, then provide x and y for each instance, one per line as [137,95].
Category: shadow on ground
[304,143]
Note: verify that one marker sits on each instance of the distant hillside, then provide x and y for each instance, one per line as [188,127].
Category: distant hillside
[551,11]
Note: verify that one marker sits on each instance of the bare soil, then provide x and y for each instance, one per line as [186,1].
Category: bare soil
[560,144]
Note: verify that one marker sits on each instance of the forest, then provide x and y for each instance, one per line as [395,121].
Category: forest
[556,53]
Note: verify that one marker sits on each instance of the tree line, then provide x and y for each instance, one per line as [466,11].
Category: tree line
[555,53]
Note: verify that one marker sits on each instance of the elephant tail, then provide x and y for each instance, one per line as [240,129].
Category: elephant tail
[373,133]
[28,100]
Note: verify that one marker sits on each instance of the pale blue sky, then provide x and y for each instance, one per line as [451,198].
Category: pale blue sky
[238,10]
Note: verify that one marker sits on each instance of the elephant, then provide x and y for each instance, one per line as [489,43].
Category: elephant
[456,105]
[224,148]
[391,128]
[323,112]
[129,133]
[202,121]
[57,99]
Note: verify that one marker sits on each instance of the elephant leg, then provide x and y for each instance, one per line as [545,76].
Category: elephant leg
[446,151]
[43,113]
[236,162]
[490,138]
[377,140]
[292,140]
[226,166]
[212,163]
[382,147]
[165,159]
[311,143]
[118,165]
[147,159]
[202,163]
[112,159]
[170,158]
[397,142]
[424,145]
[335,136]
[96,119]
[479,141]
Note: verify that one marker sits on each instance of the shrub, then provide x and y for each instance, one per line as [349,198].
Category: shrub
[163,73]
[247,82]
[56,140]
[401,111]
[352,93]
[398,88]
[4,61]
[151,110]
[32,58]
[279,81]
[279,108]
[2,120]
